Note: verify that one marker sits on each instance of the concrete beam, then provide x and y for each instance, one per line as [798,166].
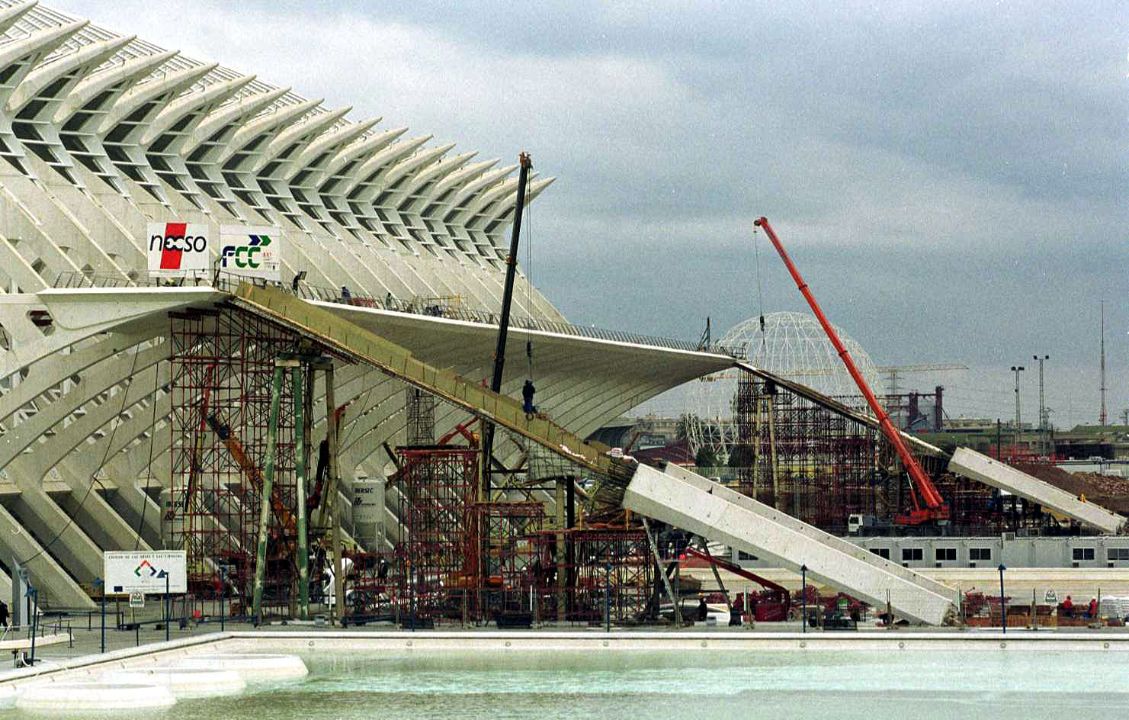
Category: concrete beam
[712,513]
[974,465]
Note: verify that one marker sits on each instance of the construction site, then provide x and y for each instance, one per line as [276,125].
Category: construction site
[567,532]
[291,346]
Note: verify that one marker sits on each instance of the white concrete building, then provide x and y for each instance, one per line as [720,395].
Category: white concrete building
[102,134]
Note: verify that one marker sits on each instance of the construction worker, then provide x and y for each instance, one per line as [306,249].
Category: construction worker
[1092,612]
[1068,607]
[527,391]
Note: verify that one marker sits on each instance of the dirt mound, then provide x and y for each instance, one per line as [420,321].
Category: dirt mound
[1111,493]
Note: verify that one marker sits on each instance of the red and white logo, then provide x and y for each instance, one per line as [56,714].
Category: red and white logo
[178,249]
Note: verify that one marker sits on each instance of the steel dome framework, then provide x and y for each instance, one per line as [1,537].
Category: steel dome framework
[792,345]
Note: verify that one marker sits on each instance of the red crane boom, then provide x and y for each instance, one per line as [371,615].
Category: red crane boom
[930,506]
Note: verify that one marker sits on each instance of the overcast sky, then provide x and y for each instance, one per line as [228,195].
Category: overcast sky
[950,177]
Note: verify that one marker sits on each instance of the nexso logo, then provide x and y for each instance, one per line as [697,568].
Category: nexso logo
[249,251]
[177,248]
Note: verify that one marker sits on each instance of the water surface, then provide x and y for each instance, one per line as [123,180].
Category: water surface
[906,685]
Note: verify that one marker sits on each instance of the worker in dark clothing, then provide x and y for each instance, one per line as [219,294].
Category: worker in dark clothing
[527,391]
[4,614]
[346,295]
[703,610]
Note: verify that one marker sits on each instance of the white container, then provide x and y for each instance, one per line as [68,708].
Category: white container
[93,696]
[183,682]
[253,668]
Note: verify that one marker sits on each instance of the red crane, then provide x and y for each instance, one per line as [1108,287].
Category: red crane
[927,501]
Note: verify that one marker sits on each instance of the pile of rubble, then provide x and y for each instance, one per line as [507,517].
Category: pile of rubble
[1110,492]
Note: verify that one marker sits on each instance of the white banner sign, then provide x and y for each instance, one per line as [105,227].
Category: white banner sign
[178,249]
[128,571]
[251,251]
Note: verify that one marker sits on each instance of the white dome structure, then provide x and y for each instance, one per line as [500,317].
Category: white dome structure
[792,345]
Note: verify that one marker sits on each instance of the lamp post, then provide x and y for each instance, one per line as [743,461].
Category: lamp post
[608,596]
[1003,603]
[101,584]
[804,597]
[1017,369]
[223,596]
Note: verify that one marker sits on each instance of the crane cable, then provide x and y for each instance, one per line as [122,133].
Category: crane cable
[528,282]
[760,290]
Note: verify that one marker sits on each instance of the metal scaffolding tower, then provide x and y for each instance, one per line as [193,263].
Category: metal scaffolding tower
[223,364]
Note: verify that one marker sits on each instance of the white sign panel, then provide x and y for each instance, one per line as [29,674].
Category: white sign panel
[251,251]
[137,599]
[140,571]
[178,249]
[368,501]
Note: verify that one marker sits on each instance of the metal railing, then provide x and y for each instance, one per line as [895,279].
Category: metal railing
[429,307]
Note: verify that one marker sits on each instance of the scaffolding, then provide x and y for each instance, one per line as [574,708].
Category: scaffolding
[419,409]
[372,586]
[808,461]
[512,569]
[439,554]
[608,575]
[222,363]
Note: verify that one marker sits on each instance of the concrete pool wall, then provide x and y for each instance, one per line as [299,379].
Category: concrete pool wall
[90,667]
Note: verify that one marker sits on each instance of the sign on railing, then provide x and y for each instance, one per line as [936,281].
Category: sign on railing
[142,571]
[178,249]
[251,252]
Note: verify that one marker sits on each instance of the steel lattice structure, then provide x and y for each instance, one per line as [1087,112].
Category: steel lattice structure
[792,345]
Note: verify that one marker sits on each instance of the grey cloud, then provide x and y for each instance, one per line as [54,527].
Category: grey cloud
[950,175]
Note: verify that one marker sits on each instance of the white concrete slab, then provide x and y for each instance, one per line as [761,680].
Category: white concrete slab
[709,512]
[977,466]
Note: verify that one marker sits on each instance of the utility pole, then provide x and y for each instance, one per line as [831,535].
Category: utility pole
[1044,420]
[1017,369]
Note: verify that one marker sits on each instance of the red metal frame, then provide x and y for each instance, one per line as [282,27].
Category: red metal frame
[439,551]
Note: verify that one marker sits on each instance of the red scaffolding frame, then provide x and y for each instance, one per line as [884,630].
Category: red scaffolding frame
[223,362]
[602,567]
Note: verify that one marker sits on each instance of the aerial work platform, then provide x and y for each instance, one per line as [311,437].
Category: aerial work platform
[1002,476]
[691,502]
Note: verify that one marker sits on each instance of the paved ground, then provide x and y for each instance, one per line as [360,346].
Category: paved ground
[1020,584]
